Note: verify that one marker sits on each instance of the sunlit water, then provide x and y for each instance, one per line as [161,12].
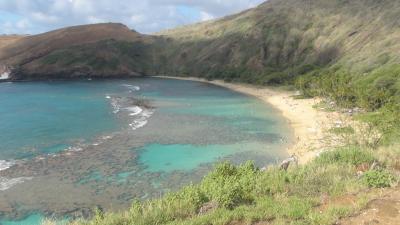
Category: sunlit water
[68,147]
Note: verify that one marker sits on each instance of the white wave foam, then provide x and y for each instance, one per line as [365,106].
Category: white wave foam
[5,164]
[74,149]
[139,114]
[141,121]
[132,87]
[106,137]
[116,106]
[4,76]
[8,183]
[147,113]
[135,110]
[136,124]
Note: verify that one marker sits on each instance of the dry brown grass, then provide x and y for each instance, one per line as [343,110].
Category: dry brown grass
[6,40]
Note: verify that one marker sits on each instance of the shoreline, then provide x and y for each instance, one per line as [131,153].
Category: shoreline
[310,125]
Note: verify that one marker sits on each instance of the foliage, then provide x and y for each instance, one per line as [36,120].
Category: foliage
[106,55]
[386,120]
[379,178]
[348,155]
[229,185]
[348,130]
[378,92]
[244,193]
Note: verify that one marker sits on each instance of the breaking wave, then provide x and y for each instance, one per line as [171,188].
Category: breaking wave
[142,119]
[6,164]
[135,110]
[115,105]
[131,87]
[137,115]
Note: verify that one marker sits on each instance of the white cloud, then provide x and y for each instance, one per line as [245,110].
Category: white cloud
[22,24]
[206,16]
[43,18]
[94,19]
[138,19]
[143,15]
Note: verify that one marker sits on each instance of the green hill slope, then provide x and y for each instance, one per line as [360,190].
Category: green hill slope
[289,36]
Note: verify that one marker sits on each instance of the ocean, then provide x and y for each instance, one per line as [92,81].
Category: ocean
[67,147]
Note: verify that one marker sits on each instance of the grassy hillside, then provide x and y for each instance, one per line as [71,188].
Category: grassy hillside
[6,40]
[282,39]
[321,192]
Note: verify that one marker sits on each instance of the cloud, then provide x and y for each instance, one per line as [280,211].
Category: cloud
[43,18]
[147,16]
[206,16]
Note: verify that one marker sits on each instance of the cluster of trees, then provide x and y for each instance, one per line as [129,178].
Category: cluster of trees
[377,92]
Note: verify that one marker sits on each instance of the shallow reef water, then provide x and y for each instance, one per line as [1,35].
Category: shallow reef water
[71,146]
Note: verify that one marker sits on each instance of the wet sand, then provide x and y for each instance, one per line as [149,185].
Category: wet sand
[309,124]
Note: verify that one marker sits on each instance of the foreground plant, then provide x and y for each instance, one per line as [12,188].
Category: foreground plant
[245,194]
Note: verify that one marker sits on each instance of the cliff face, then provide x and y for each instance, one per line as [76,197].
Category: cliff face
[272,43]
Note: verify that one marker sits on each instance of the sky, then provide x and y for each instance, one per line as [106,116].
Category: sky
[145,16]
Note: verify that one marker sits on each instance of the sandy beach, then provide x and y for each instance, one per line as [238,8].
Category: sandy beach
[310,125]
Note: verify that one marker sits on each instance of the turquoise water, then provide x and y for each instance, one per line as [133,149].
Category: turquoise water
[181,157]
[105,143]
[33,219]
[46,117]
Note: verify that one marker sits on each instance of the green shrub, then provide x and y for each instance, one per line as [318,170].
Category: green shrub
[246,194]
[379,178]
[342,130]
[306,85]
[229,185]
[387,122]
[347,155]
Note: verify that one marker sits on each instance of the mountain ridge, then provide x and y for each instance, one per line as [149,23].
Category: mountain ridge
[29,56]
[272,43]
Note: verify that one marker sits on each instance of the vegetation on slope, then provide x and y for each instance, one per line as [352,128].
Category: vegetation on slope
[280,40]
[99,50]
[6,40]
[108,58]
[377,92]
[308,194]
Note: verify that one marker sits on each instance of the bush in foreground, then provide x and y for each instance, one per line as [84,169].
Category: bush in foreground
[379,178]
[245,194]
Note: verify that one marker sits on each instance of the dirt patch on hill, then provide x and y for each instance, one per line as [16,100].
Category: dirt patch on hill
[382,210]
